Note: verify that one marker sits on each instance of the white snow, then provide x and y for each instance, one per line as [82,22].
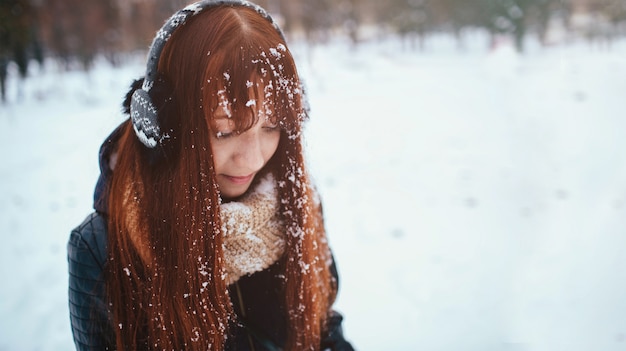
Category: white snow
[474,200]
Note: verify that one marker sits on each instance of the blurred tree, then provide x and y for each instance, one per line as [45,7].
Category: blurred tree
[18,38]
[458,15]
[411,19]
[503,17]
[316,18]
[349,18]
[139,21]
[517,11]
[597,21]
[515,17]
[615,11]
[78,30]
[539,17]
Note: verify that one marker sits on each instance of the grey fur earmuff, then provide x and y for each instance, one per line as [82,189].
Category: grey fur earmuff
[143,111]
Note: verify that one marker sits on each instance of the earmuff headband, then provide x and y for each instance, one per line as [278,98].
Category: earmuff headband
[143,112]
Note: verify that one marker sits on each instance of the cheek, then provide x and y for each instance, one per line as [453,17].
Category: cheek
[270,144]
[220,155]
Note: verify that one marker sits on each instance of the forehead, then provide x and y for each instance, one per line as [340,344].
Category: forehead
[250,94]
[248,87]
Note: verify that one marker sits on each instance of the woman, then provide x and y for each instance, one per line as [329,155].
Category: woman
[207,233]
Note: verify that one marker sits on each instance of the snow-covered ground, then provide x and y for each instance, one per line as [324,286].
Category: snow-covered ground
[475,200]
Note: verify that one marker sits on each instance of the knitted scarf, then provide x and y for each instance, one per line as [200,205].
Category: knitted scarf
[254,236]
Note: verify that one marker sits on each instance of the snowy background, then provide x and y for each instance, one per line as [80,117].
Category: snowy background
[475,200]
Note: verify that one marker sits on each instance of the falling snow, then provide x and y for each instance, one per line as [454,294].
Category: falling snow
[474,200]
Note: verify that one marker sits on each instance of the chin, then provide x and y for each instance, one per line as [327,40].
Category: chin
[233,193]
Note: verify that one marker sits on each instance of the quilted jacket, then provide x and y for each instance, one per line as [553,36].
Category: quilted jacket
[265,322]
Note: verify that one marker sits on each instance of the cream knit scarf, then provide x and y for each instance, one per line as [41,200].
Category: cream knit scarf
[254,236]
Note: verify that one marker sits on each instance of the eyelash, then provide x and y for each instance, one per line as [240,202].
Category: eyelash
[223,135]
[272,128]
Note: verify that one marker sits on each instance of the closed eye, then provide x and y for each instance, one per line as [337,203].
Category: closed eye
[271,127]
[270,124]
[224,135]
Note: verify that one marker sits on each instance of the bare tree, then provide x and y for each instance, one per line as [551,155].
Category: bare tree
[78,30]
[19,40]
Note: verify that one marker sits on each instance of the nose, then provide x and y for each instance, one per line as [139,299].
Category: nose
[250,154]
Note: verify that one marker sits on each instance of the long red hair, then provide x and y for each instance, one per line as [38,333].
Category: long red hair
[175,297]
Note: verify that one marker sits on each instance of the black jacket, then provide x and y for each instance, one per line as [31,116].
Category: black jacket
[265,318]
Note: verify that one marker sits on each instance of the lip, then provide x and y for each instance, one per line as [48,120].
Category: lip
[239,180]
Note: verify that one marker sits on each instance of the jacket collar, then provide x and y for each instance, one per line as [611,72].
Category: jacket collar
[107,149]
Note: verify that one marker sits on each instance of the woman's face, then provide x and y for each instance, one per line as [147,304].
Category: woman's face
[238,157]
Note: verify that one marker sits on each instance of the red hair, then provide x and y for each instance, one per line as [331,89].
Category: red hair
[169,293]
